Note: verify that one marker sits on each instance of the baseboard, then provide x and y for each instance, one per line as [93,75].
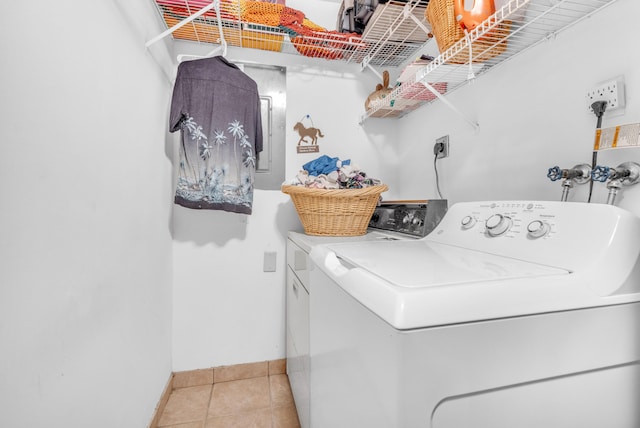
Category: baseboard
[164,398]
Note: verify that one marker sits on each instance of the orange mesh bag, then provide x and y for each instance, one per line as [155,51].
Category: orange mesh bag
[447,31]
[320,44]
[312,25]
[315,41]
[261,13]
[291,18]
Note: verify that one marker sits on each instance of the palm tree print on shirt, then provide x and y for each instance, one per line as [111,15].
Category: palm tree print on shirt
[195,131]
[204,165]
[237,130]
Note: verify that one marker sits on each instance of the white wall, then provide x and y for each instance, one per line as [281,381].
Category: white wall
[532,116]
[226,309]
[85,246]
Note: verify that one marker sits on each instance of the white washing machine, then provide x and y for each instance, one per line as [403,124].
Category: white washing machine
[510,314]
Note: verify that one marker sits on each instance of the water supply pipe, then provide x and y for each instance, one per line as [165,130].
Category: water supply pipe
[625,174]
[579,174]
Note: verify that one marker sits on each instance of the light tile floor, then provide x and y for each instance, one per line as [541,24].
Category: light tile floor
[257,402]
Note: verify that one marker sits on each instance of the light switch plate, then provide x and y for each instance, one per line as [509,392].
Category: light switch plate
[270,258]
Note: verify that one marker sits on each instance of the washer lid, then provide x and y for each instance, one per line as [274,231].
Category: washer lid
[421,263]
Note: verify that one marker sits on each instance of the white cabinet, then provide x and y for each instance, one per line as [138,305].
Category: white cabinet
[298,265]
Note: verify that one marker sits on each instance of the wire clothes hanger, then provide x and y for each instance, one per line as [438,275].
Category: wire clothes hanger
[219,50]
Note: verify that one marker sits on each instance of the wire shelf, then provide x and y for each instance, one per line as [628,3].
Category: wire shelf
[517,26]
[395,33]
[397,30]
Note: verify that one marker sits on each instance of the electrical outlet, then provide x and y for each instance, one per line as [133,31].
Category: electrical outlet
[611,91]
[441,147]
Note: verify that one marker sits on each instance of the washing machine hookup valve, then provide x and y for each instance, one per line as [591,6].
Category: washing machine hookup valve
[627,174]
[579,174]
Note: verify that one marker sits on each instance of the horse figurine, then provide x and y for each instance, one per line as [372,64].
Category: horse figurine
[312,133]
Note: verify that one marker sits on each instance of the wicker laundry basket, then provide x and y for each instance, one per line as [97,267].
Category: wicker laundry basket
[447,31]
[335,212]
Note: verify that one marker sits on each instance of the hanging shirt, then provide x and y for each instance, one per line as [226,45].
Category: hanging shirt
[216,107]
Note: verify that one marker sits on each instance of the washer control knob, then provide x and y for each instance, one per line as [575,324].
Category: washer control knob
[538,228]
[498,224]
[468,222]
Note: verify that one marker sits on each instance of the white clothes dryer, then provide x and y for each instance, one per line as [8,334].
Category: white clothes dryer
[509,314]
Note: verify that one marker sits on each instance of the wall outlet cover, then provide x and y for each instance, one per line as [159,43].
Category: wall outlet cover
[611,91]
[441,147]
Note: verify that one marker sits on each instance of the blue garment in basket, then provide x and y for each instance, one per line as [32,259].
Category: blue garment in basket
[323,165]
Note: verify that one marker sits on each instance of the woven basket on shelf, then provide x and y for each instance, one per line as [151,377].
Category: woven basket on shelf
[335,212]
[447,31]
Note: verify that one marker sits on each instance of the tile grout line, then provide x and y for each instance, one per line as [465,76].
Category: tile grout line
[206,414]
[271,413]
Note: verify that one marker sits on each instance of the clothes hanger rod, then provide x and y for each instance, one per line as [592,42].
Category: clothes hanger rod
[223,47]
[186,21]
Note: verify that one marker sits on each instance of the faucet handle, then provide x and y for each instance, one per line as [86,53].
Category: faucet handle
[601,173]
[555,173]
